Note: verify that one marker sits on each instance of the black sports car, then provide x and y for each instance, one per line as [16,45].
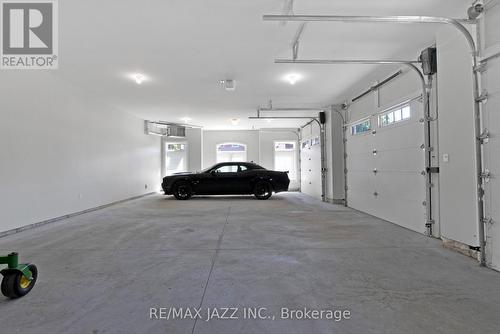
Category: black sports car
[227,178]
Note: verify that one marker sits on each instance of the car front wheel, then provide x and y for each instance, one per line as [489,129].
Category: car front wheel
[263,190]
[183,191]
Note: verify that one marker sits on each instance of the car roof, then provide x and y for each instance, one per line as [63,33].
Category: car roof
[250,165]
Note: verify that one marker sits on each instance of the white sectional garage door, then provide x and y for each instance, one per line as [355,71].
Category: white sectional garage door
[310,156]
[385,168]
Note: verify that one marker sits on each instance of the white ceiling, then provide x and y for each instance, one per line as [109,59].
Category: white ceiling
[186,46]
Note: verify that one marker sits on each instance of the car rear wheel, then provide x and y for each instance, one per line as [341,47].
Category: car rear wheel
[263,190]
[183,191]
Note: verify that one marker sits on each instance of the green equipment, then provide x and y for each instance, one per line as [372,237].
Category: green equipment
[18,279]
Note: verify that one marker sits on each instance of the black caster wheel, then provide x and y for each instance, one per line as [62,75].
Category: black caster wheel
[15,285]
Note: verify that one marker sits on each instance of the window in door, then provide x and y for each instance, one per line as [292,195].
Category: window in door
[285,158]
[176,158]
[231,152]
[395,116]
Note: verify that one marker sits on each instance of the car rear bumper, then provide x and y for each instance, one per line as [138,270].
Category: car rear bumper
[281,187]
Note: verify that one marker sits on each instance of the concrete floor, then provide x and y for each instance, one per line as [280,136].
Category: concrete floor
[102,272]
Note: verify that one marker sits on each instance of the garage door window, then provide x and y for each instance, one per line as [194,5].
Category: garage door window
[394,116]
[361,127]
[285,158]
[230,152]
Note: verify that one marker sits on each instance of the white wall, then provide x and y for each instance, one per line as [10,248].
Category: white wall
[63,152]
[211,138]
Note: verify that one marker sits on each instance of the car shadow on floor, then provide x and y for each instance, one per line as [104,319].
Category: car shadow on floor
[226,197]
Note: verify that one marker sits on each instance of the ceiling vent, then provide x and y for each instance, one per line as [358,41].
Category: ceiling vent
[162,129]
[176,131]
[229,84]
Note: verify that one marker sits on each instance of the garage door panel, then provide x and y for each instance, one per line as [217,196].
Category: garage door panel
[401,186]
[360,144]
[401,135]
[397,190]
[404,159]
[363,202]
[311,171]
[361,162]
[362,182]
[399,212]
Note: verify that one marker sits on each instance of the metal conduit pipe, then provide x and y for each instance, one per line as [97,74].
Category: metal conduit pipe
[458,24]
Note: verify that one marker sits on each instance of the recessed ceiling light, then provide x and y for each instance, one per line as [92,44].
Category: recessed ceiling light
[292,78]
[139,78]
[235,121]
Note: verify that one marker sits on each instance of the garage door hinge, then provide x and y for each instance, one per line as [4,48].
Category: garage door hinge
[427,149]
[481,68]
[486,175]
[483,98]
[488,220]
[484,136]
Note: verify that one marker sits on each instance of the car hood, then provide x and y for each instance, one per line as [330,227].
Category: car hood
[176,175]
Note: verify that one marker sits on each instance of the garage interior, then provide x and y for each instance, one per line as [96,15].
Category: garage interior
[384,114]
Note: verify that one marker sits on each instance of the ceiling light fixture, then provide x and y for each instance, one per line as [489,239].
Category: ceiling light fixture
[292,78]
[185,119]
[139,78]
[235,121]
